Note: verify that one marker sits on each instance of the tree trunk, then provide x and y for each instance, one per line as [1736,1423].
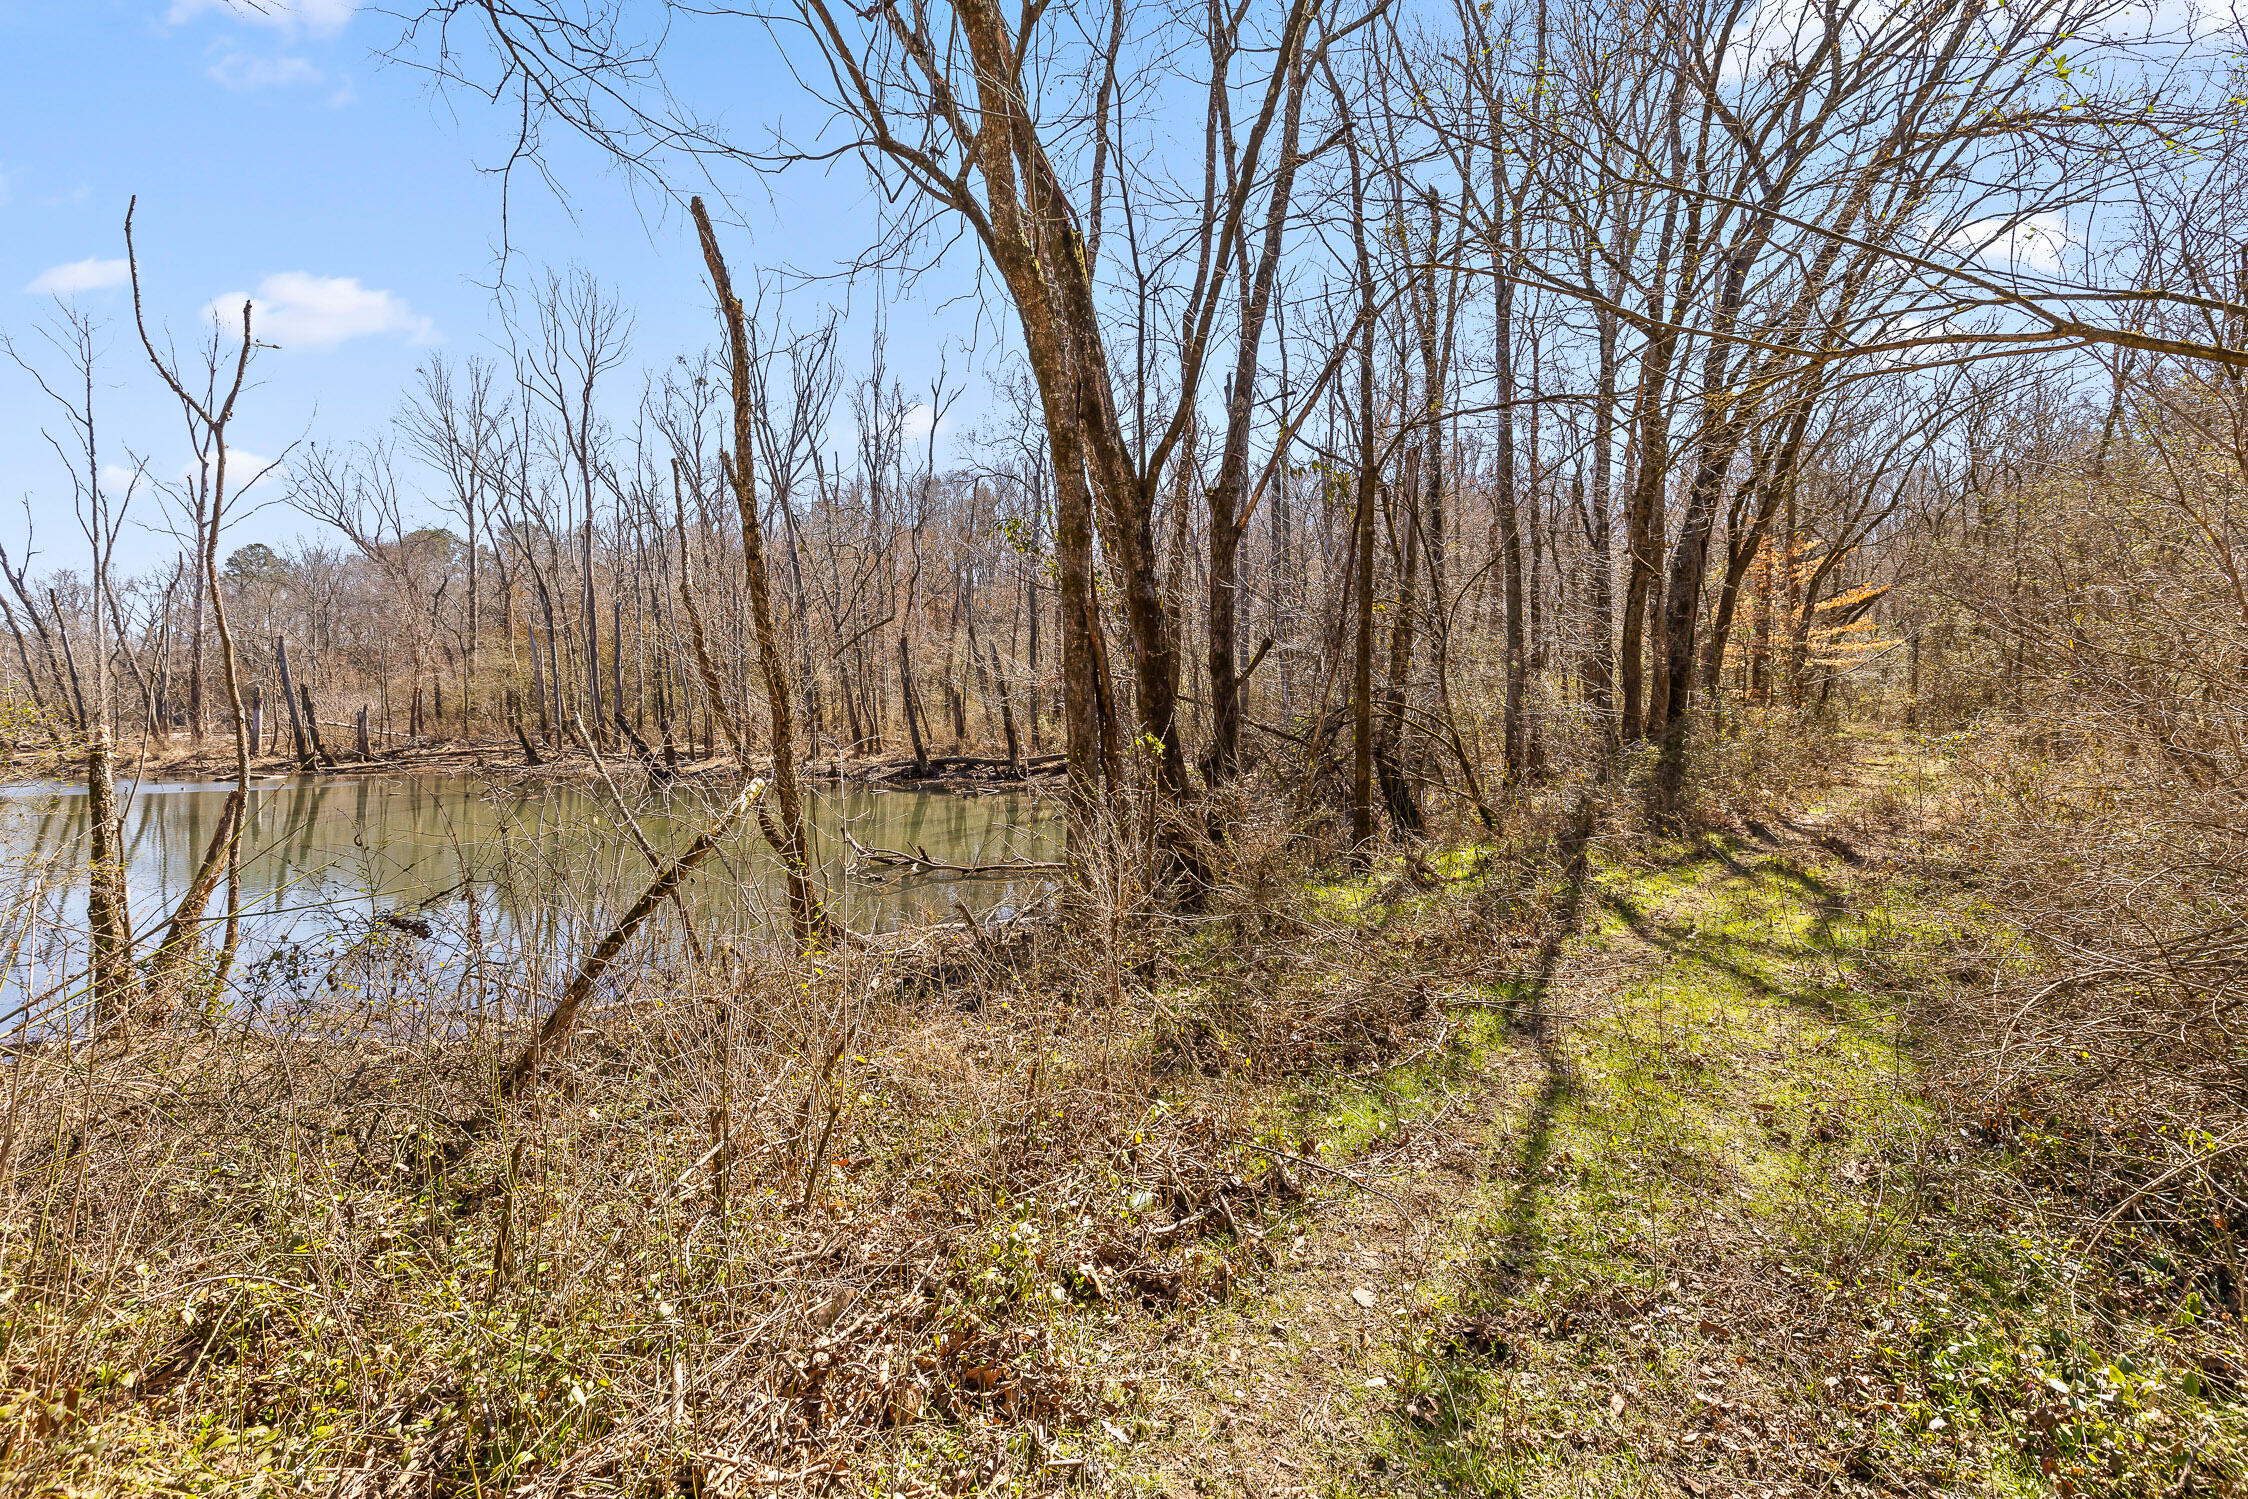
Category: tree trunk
[1362,655]
[108,920]
[468,663]
[289,697]
[312,724]
[807,917]
[1089,723]
[195,662]
[1229,512]
[1006,712]
[912,702]
[1599,658]
[1397,788]
[1650,436]
[1682,598]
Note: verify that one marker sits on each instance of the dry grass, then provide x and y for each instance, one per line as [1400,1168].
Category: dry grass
[2092,1012]
[919,1213]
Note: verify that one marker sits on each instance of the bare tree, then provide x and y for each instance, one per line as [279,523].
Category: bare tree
[789,840]
[455,423]
[582,335]
[101,515]
[207,411]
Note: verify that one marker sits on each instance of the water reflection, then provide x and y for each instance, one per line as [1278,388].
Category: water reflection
[323,859]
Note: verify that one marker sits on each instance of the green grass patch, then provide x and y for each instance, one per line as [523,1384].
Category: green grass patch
[1738,1246]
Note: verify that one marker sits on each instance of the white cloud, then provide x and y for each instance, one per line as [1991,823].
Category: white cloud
[244,469]
[2033,244]
[77,276]
[244,73]
[298,310]
[914,426]
[292,17]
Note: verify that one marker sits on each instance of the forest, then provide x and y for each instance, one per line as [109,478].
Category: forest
[1583,671]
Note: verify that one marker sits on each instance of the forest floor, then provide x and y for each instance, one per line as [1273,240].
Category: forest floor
[1590,1163]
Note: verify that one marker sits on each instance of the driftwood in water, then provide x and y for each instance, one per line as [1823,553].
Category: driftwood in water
[920,862]
[963,770]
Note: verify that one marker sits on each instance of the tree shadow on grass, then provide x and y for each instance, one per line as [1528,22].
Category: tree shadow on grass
[1515,1256]
[1723,954]
[1437,1436]
[1456,1430]
[1684,941]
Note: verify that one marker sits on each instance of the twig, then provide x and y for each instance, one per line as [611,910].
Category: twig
[2226,1146]
[632,824]
[1297,1160]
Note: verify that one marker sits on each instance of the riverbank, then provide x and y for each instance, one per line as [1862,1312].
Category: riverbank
[1580,1162]
[505,759]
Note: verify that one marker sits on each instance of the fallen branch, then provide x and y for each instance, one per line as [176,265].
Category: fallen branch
[959,767]
[920,860]
[1297,1160]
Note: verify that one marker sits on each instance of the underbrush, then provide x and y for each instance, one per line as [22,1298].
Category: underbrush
[2092,1002]
[32,737]
[921,1219]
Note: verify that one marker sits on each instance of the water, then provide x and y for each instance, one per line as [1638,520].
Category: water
[536,871]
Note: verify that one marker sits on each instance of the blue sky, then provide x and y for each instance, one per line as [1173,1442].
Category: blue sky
[279,155]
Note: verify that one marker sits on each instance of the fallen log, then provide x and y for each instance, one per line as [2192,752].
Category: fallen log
[959,768]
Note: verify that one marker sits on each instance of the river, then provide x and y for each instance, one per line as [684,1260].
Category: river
[533,871]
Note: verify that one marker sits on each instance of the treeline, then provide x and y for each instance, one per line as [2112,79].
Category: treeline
[919,601]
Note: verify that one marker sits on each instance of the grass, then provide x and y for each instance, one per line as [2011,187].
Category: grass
[1736,1248]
